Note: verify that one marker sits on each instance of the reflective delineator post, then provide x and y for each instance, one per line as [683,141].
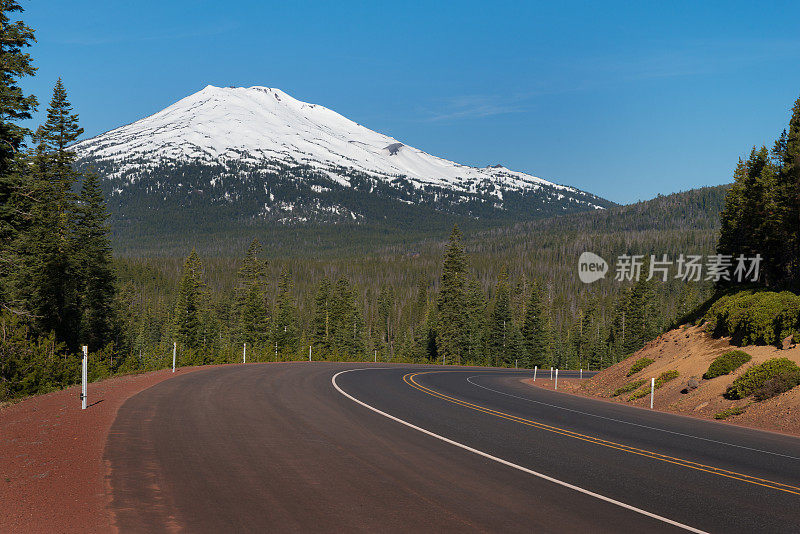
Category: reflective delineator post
[376,355]
[244,353]
[174,354]
[535,368]
[551,373]
[652,391]
[309,353]
[556,385]
[84,376]
[581,373]
[516,364]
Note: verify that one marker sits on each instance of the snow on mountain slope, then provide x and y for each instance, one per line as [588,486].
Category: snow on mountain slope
[259,125]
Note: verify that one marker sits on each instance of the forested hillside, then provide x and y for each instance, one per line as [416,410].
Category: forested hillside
[393,295]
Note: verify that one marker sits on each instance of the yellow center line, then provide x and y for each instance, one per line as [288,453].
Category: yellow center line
[409,379]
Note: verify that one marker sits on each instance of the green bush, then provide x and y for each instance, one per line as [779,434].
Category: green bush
[755,317]
[756,377]
[726,364]
[662,379]
[736,410]
[638,365]
[665,377]
[627,388]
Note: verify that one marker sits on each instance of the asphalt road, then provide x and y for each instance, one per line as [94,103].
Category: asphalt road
[299,447]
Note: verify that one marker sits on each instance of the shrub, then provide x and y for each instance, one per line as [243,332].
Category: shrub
[755,317]
[773,387]
[665,377]
[755,378]
[662,379]
[726,364]
[736,410]
[627,388]
[638,365]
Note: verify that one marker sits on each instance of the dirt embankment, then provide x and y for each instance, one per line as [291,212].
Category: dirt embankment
[689,351]
[52,474]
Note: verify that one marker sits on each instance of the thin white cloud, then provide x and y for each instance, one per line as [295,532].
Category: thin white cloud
[160,36]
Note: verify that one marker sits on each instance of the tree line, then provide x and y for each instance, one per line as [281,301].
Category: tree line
[762,208]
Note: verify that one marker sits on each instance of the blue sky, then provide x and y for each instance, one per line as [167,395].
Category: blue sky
[623,99]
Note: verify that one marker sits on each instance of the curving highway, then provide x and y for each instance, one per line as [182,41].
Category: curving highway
[332,447]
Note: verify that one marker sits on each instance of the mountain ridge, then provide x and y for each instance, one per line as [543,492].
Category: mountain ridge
[259,156]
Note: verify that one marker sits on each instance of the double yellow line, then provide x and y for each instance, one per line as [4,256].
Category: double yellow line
[409,379]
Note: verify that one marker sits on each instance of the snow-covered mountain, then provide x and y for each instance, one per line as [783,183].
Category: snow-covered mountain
[257,153]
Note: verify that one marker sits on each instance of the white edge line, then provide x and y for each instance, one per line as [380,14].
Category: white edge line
[506,462]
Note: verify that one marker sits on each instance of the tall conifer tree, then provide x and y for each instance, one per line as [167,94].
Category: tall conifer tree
[188,325]
[96,277]
[250,302]
[285,323]
[15,106]
[535,329]
[452,335]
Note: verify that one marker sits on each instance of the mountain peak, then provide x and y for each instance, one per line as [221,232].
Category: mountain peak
[245,132]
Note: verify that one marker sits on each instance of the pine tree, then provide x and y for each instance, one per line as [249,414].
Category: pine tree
[535,329]
[385,308]
[14,64]
[285,320]
[49,278]
[787,194]
[14,107]
[476,321]
[452,334]
[321,322]
[187,325]
[500,348]
[96,277]
[347,326]
[250,304]
[640,325]
[745,224]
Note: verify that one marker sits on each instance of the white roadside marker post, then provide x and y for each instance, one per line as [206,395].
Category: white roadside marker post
[652,391]
[535,368]
[244,353]
[174,354]
[516,364]
[376,355]
[556,385]
[581,373]
[551,372]
[309,353]
[84,376]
